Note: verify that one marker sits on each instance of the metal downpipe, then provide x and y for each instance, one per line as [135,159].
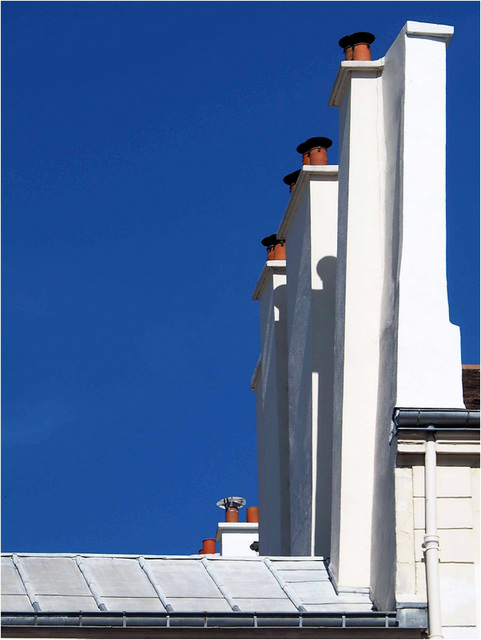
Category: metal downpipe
[431,539]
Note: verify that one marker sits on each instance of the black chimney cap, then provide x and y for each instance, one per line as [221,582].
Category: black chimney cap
[361,37]
[291,178]
[345,42]
[269,241]
[320,141]
[356,38]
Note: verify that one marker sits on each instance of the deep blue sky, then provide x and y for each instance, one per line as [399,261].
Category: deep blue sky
[144,145]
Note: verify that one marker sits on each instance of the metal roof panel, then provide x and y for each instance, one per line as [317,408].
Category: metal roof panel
[16,603]
[297,565]
[11,583]
[265,604]
[55,577]
[189,583]
[67,603]
[249,579]
[133,604]
[183,579]
[302,576]
[314,592]
[339,607]
[200,604]
[119,577]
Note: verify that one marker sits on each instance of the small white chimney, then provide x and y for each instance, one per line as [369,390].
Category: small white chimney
[236,538]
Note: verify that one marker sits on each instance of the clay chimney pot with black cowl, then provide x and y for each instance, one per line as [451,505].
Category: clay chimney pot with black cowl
[357,46]
[314,150]
[232,514]
[276,247]
[291,179]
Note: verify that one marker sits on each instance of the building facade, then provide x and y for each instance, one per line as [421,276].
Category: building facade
[382,453]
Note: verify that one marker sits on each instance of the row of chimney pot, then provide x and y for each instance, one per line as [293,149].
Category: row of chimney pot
[314,152]
[231,515]
[276,250]
[357,46]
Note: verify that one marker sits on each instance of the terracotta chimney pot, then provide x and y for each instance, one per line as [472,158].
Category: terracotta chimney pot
[208,546]
[276,247]
[346,44]
[318,155]
[305,158]
[316,148]
[291,179]
[232,514]
[252,514]
[357,46]
[269,242]
[279,254]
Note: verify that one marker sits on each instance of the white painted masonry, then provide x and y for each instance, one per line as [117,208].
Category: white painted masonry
[427,376]
[360,286]
[270,384]
[310,228]
[236,537]
[367,333]
[392,311]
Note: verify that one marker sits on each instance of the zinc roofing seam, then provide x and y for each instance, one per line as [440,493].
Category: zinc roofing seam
[283,585]
[156,586]
[220,585]
[26,582]
[91,584]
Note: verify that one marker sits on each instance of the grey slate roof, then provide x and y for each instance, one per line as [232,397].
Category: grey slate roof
[86,582]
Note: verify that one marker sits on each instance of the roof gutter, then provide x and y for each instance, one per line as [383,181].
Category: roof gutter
[419,421]
[364,619]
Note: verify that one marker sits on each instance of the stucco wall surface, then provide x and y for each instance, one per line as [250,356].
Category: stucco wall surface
[360,286]
[394,343]
[311,242]
[299,340]
[323,230]
[272,415]
[428,375]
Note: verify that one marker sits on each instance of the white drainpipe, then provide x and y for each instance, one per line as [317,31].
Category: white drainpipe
[431,539]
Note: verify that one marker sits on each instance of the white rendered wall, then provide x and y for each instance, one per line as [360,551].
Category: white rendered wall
[310,229]
[429,356]
[416,337]
[272,413]
[358,327]
[394,343]
[323,220]
[236,537]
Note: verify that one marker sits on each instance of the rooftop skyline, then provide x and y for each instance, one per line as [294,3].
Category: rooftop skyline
[144,146]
